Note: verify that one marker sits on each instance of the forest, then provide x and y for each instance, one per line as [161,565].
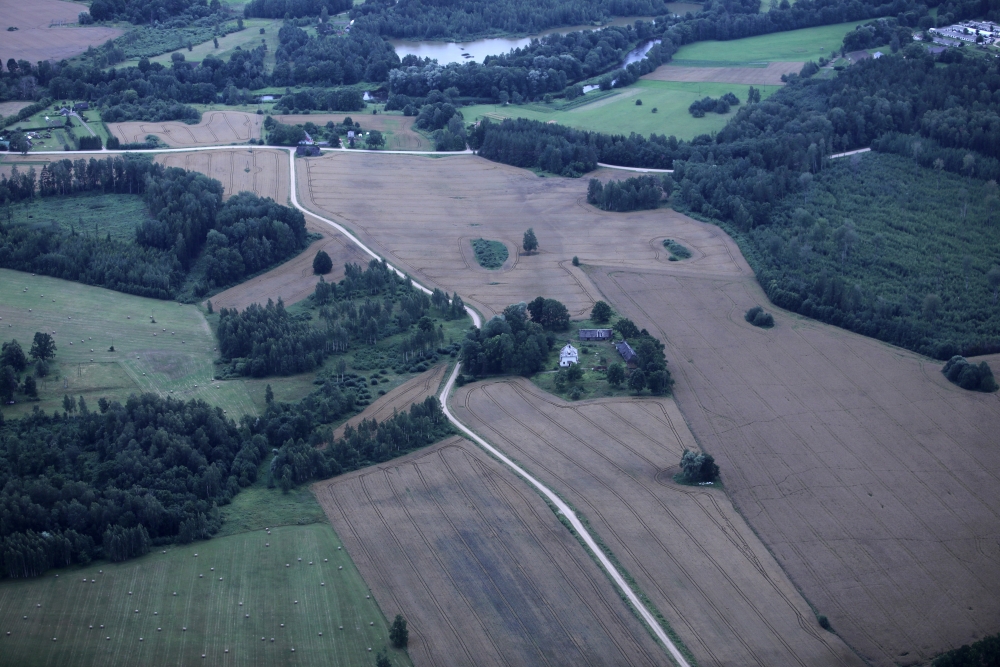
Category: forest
[632,194]
[191,242]
[112,481]
[276,9]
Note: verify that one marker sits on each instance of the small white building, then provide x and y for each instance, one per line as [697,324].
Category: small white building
[568,355]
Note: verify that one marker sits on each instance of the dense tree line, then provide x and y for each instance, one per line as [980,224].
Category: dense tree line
[147,11]
[632,194]
[276,9]
[266,340]
[514,342]
[331,60]
[110,483]
[299,460]
[334,99]
[983,653]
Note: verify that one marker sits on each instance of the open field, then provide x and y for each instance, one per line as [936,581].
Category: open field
[687,548]
[260,170]
[619,114]
[753,76]
[422,214]
[400,135]
[84,321]
[40,34]
[128,603]
[88,213]
[247,39]
[11,108]
[399,399]
[790,46]
[870,477]
[479,565]
[216,128]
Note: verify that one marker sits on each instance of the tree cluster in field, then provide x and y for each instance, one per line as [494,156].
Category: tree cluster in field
[974,377]
[697,468]
[191,235]
[490,254]
[986,651]
[442,119]
[633,194]
[88,484]
[758,317]
[14,361]
[320,99]
[677,251]
[296,430]
[514,342]
[723,105]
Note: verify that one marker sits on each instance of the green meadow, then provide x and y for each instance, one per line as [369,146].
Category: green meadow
[791,46]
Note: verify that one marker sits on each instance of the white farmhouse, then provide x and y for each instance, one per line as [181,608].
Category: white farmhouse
[568,355]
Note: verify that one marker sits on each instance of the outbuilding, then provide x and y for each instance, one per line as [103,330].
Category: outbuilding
[595,334]
[624,349]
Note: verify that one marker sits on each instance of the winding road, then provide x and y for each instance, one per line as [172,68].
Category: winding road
[591,544]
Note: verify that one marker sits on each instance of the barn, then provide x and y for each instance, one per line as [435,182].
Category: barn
[624,349]
[595,334]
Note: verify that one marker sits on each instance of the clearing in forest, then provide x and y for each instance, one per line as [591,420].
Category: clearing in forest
[422,214]
[47,30]
[223,599]
[870,477]
[686,547]
[479,565]
[216,128]
[414,390]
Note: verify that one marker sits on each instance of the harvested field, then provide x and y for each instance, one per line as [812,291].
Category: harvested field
[260,170]
[401,135]
[294,280]
[422,213]
[11,108]
[47,30]
[871,478]
[687,548]
[399,399]
[479,565]
[755,76]
[216,128]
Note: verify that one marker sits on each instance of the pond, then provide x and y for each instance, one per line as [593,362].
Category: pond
[475,51]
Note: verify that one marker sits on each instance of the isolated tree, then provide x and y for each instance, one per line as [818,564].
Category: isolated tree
[18,143]
[82,405]
[43,347]
[529,242]
[601,312]
[574,373]
[69,405]
[993,278]
[12,355]
[268,394]
[697,468]
[637,380]
[375,139]
[30,389]
[398,634]
[616,374]
[626,328]
[322,264]
[8,383]
[381,660]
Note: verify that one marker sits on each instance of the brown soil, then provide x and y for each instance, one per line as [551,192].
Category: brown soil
[422,214]
[761,76]
[870,477]
[400,399]
[403,137]
[47,30]
[687,548]
[216,128]
[260,170]
[479,565]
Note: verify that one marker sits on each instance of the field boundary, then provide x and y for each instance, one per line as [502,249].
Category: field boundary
[565,511]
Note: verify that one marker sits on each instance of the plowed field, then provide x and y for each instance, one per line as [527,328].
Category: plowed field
[872,479]
[687,548]
[216,128]
[260,170]
[479,565]
[755,76]
[47,30]
[402,136]
[423,213]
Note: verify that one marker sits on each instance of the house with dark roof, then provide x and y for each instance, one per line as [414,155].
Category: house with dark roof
[624,349]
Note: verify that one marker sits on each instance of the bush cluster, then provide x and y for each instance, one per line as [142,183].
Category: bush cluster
[757,317]
[970,376]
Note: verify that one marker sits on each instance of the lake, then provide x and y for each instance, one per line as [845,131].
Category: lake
[477,50]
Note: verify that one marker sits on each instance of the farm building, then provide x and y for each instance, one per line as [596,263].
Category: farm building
[595,334]
[624,349]
[81,106]
[568,355]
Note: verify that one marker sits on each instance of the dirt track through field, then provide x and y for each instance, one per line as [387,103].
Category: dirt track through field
[757,76]
[423,213]
[216,128]
[399,399]
[687,548]
[479,565]
[871,478]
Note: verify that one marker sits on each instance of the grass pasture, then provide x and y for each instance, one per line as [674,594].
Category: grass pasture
[790,46]
[619,114]
[137,619]
[85,319]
